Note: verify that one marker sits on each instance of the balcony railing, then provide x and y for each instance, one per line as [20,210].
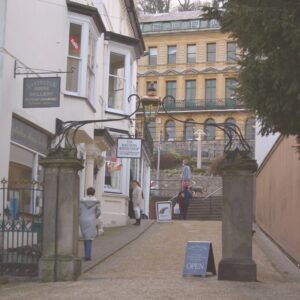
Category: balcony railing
[209,149]
[202,104]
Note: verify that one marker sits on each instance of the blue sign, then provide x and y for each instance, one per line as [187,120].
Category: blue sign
[199,259]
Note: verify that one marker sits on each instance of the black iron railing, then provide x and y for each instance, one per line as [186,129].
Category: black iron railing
[202,104]
[20,229]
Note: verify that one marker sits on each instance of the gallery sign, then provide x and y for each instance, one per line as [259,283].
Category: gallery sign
[41,92]
[129,148]
[164,211]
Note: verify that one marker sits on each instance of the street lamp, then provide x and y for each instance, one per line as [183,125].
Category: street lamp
[66,130]
[151,104]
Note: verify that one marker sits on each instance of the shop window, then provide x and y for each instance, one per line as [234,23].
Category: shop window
[113,172]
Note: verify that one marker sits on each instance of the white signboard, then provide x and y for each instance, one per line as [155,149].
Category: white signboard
[129,148]
[164,211]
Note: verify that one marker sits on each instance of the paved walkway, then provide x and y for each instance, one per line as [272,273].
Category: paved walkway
[112,241]
[151,268]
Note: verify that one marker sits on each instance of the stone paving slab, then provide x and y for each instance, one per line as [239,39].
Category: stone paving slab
[151,268]
[113,239]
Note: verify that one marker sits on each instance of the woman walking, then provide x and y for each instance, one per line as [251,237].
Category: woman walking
[137,200]
[89,212]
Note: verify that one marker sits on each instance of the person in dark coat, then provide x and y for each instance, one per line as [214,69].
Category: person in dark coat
[89,212]
[185,199]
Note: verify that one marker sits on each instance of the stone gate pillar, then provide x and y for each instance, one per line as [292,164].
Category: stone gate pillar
[60,260]
[238,189]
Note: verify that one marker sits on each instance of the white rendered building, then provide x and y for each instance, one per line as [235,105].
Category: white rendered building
[99,41]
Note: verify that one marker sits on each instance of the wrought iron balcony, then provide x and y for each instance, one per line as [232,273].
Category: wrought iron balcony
[203,104]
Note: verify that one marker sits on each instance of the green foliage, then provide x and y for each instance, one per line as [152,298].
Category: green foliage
[171,160]
[268,33]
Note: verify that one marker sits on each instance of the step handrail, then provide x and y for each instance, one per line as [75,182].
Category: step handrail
[212,193]
[172,199]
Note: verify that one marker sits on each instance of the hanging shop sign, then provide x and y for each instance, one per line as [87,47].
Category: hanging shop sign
[129,148]
[41,92]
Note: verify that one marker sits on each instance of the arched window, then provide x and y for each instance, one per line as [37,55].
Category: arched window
[250,129]
[189,128]
[229,121]
[170,133]
[209,130]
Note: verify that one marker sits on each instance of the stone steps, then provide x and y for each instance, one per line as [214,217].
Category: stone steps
[208,209]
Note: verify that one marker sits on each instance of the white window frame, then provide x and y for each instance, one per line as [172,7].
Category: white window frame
[126,51]
[87,25]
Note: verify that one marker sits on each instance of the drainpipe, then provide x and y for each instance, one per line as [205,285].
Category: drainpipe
[3,8]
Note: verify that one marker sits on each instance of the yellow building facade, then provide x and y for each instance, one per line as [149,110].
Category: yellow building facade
[191,60]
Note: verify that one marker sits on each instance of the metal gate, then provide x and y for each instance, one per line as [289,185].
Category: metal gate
[21,209]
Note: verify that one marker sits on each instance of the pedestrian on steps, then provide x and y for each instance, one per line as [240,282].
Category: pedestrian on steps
[89,212]
[137,200]
[186,175]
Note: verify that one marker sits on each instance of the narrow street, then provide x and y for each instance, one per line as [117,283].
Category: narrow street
[151,268]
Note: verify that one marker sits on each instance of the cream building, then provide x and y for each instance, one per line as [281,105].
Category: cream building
[191,60]
[99,41]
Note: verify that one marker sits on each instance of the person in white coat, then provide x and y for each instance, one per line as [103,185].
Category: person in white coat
[137,200]
[89,212]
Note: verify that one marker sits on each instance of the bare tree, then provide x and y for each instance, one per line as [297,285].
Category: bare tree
[153,6]
[184,5]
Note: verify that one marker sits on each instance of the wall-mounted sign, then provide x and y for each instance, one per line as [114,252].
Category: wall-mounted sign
[164,211]
[199,259]
[129,148]
[26,135]
[41,92]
